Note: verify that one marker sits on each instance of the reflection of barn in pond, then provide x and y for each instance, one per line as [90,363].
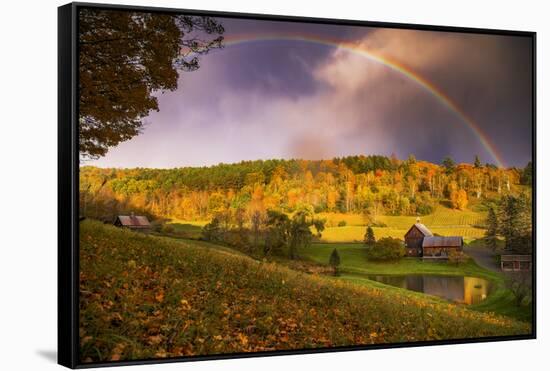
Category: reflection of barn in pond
[449,287]
[467,290]
[415,283]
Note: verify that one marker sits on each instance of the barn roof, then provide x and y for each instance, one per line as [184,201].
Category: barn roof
[518,258]
[422,228]
[442,241]
[136,221]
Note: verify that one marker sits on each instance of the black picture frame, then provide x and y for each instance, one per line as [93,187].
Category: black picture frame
[68,165]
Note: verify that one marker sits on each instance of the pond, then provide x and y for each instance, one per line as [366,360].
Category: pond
[467,290]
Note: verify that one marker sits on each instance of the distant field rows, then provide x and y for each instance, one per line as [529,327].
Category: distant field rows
[356,233]
[443,221]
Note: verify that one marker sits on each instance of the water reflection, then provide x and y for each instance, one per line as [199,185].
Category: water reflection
[468,290]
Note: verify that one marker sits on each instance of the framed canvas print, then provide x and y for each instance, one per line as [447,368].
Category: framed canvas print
[235,185]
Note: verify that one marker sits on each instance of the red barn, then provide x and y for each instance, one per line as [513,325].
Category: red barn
[420,241]
[414,238]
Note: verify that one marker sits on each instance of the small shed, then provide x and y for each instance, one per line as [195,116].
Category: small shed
[414,237]
[511,263]
[134,222]
[438,247]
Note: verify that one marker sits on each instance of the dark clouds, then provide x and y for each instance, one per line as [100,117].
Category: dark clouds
[273,99]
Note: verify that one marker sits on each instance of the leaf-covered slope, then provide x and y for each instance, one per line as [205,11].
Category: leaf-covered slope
[144,296]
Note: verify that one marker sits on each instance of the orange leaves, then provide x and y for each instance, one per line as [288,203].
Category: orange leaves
[85,340]
[115,357]
[214,303]
[161,354]
[243,339]
[116,319]
[159,297]
[154,339]
[117,352]
[185,304]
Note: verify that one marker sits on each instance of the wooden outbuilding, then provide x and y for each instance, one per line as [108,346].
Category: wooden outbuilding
[514,263]
[439,247]
[133,222]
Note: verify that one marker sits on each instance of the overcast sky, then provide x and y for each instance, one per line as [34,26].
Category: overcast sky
[296,99]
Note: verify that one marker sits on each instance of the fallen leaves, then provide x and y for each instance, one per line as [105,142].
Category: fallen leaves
[160,296]
[154,340]
[185,304]
[153,297]
[243,339]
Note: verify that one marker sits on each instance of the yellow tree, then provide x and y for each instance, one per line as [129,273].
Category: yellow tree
[459,199]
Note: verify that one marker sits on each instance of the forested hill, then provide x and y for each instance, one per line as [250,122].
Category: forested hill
[366,184]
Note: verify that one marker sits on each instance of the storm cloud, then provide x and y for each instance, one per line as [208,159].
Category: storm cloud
[296,99]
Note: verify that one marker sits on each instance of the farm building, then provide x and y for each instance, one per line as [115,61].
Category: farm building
[437,247]
[134,222]
[516,262]
[420,241]
[414,238]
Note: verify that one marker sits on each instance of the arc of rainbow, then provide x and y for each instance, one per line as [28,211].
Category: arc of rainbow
[396,66]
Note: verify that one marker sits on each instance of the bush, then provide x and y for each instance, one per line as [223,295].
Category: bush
[520,285]
[456,257]
[342,223]
[167,228]
[237,238]
[385,249]
[213,231]
[156,225]
[334,261]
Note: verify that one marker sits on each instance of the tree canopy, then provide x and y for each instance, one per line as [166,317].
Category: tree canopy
[124,58]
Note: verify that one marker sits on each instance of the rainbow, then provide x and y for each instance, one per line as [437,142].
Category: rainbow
[396,66]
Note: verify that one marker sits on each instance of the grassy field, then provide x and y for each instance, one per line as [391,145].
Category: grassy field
[146,296]
[353,260]
[187,229]
[355,267]
[443,221]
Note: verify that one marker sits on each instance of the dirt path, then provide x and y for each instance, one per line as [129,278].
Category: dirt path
[483,257]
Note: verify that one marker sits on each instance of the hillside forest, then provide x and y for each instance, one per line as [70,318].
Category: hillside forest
[253,194]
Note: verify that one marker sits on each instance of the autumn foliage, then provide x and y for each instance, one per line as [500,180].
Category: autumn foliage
[367,185]
[144,296]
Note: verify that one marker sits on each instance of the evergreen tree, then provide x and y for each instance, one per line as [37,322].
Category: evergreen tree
[213,231]
[369,238]
[477,162]
[334,261]
[449,164]
[526,176]
[492,228]
[514,220]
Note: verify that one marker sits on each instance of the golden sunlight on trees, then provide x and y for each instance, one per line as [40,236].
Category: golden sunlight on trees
[459,199]
[365,185]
